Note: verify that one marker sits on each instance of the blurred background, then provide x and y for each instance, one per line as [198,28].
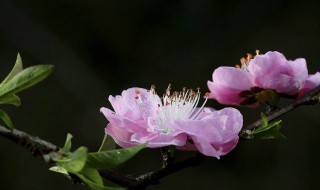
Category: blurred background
[100,48]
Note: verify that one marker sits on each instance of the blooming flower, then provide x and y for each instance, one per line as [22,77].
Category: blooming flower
[141,116]
[272,71]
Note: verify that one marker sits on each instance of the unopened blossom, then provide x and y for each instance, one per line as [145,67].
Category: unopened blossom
[245,84]
[141,116]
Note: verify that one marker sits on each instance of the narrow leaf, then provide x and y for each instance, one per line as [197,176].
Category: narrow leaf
[6,119]
[95,186]
[271,131]
[265,120]
[67,146]
[75,162]
[112,158]
[11,99]
[61,170]
[274,125]
[92,174]
[25,79]
[107,144]
[15,70]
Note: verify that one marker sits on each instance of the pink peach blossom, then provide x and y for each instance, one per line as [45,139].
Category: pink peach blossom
[235,85]
[141,116]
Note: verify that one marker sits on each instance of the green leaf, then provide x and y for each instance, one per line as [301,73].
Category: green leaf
[266,130]
[6,119]
[272,131]
[264,120]
[11,99]
[25,79]
[75,161]
[93,184]
[61,170]
[15,70]
[67,146]
[112,158]
[92,175]
[107,144]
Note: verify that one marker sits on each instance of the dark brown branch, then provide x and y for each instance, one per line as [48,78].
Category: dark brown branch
[152,178]
[309,99]
[167,158]
[35,145]
[40,147]
[119,179]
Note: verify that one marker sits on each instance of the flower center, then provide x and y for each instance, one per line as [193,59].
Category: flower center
[174,106]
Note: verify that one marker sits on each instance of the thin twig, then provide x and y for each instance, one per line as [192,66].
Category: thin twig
[310,98]
[167,158]
[152,178]
[119,179]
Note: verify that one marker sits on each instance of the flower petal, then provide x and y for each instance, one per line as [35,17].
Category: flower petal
[155,140]
[215,134]
[123,122]
[120,136]
[215,149]
[312,82]
[273,71]
[228,83]
[263,65]
[205,147]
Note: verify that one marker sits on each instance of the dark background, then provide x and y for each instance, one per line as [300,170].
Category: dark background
[101,47]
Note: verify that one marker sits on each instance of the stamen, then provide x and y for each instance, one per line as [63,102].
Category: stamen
[243,60]
[176,105]
[201,108]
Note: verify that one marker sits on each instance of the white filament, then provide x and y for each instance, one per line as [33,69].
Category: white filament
[179,105]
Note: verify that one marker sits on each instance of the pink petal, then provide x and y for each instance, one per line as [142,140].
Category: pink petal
[160,140]
[205,147]
[215,134]
[215,149]
[263,65]
[312,82]
[120,136]
[273,71]
[206,128]
[215,127]
[228,83]
[128,103]
[299,69]
[188,147]
[123,122]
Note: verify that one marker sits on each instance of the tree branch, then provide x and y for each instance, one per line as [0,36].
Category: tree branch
[35,145]
[152,178]
[310,98]
[39,148]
